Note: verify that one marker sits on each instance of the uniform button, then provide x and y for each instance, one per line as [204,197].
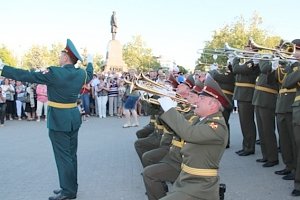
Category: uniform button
[184,142]
[182,156]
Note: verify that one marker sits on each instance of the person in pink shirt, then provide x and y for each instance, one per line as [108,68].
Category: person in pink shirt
[42,101]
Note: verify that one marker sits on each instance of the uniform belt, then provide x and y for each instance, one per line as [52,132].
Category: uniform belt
[177,143]
[245,84]
[227,92]
[265,89]
[297,98]
[199,172]
[284,90]
[61,105]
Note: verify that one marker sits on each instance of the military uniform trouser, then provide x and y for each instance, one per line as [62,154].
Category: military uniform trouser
[65,152]
[246,115]
[145,131]
[297,139]
[286,139]
[265,118]
[154,156]
[146,144]
[226,114]
[155,177]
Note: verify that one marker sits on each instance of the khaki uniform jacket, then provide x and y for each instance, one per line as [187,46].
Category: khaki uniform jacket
[204,146]
[292,80]
[174,157]
[245,78]
[266,88]
[63,86]
[286,97]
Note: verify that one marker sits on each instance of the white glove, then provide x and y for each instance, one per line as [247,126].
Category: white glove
[89,58]
[275,63]
[255,60]
[167,103]
[1,64]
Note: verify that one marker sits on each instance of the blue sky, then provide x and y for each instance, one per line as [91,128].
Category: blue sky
[172,28]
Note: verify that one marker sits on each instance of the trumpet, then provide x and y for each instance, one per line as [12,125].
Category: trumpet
[156,102]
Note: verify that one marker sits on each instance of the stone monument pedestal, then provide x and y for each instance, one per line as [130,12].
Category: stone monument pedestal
[114,57]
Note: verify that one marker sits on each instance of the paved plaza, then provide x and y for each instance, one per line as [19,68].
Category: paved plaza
[109,168]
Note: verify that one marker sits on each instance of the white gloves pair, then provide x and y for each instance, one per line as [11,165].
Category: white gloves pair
[89,58]
[275,63]
[167,103]
[1,64]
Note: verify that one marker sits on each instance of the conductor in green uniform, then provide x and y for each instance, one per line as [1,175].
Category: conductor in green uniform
[64,120]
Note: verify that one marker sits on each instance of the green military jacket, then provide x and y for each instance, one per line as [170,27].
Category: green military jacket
[63,86]
[174,157]
[292,80]
[205,142]
[266,88]
[245,78]
[226,82]
[286,97]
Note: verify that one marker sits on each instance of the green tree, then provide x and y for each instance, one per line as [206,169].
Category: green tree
[54,54]
[36,57]
[7,56]
[237,36]
[137,55]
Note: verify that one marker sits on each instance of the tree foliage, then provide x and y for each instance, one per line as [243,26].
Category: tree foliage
[138,56]
[237,36]
[37,57]
[7,56]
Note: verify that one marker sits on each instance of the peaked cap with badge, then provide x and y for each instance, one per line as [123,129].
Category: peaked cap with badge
[71,50]
[212,88]
[190,81]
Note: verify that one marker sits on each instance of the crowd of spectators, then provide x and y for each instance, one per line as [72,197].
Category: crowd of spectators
[104,96]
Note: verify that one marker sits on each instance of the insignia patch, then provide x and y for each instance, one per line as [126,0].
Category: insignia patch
[249,65]
[213,125]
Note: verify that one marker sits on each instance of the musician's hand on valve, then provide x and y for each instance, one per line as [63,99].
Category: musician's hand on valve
[167,103]
[275,63]
[89,58]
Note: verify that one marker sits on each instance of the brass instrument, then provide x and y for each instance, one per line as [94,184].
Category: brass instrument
[151,87]
[156,102]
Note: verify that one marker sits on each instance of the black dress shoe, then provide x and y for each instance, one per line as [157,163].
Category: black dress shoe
[283,172]
[57,191]
[261,160]
[296,193]
[290,176]
[271,164]
[246,153]
[227,146]
[257,142]
[239,151]
[61,197]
